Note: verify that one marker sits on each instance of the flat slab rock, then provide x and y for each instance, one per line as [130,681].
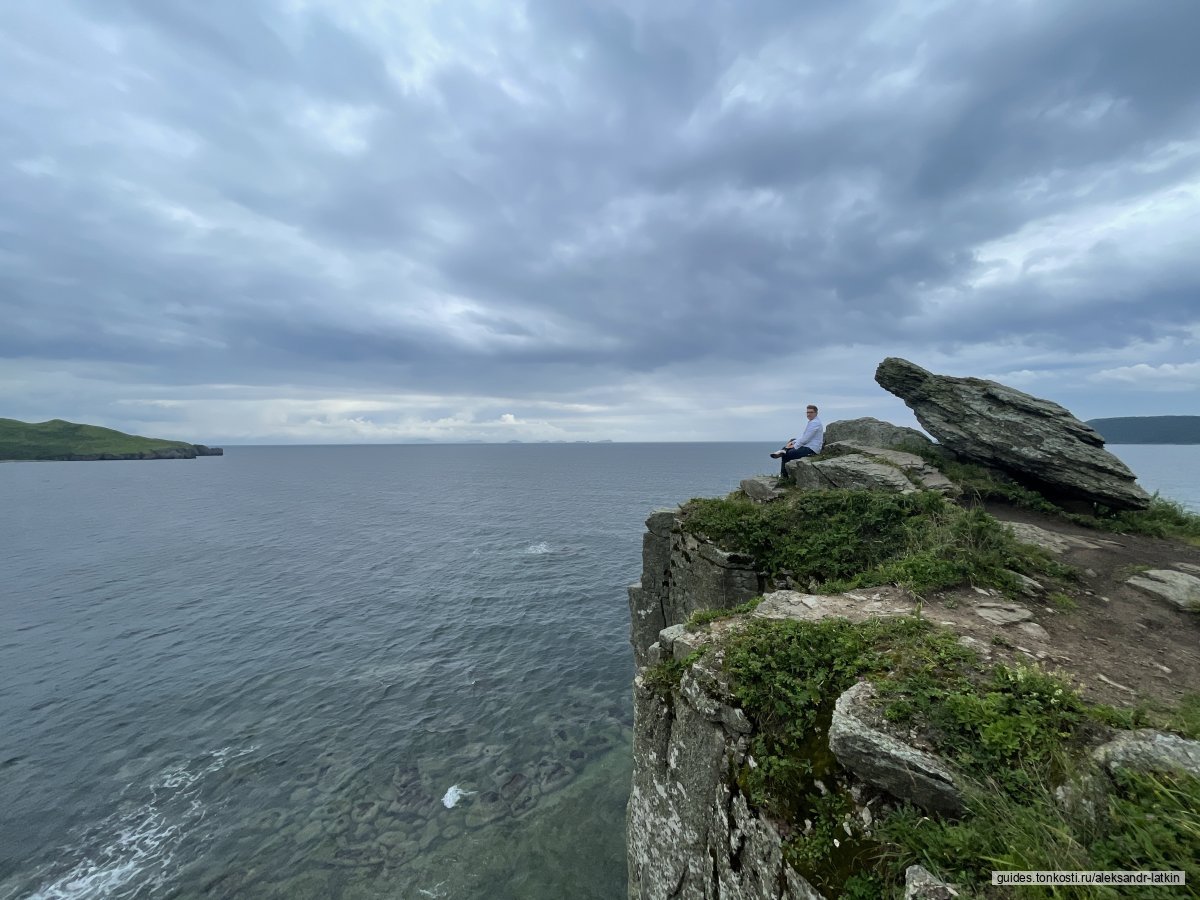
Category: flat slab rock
[1000,613]
[855,472]
[1179,589]
[1052,541]
[919,472]
[814,607]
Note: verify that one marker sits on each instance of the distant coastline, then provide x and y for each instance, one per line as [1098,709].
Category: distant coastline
[62,441]
[1148,429]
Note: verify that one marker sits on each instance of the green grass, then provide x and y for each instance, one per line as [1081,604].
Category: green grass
[787,675]
[1146,822]
[1014,731]
[664,678]
[57,439]
[1162,519]
[1183,719]
[1064,602]
[702,617]
[834,541]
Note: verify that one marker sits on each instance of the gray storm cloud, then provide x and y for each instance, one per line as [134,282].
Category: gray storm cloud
[310,220]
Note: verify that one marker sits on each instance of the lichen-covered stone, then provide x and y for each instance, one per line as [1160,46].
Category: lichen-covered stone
[1002,613]
[1036,441]
[885,761]
[691,833]
[920,473]
[703,577]
[921,884]
[855,472]
[646,598]
[873,433]
[1050,541]
[1150,751]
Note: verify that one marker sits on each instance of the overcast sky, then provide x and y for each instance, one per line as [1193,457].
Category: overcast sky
[247,221]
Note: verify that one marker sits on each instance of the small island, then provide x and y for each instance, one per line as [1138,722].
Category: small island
[1148,429]
[60,440]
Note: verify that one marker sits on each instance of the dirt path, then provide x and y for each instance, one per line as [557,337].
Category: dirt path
[1117,644]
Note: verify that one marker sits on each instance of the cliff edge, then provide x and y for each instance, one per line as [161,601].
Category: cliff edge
[895,672]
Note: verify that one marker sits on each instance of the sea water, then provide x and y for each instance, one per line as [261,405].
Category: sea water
[371,671]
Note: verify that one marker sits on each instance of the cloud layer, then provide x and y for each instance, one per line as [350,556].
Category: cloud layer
[345,221]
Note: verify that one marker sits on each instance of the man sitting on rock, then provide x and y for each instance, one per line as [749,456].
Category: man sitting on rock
[807,444]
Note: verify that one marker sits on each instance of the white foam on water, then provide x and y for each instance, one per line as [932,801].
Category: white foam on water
[454,795]
[139,845]
[538,549]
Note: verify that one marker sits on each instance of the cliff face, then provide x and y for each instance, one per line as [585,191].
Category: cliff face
[680,576]
[691,832]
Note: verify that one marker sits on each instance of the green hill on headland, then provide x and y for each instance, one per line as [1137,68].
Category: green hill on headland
[1148,429]
[59,440]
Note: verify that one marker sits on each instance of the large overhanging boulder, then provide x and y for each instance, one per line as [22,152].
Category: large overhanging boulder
[1036,441]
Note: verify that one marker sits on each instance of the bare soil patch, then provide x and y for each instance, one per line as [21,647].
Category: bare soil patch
[1116,644]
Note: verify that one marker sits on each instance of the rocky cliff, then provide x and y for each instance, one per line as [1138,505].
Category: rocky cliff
[756,778]
[693,831]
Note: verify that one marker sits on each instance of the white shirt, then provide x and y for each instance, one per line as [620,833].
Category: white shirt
[813,437]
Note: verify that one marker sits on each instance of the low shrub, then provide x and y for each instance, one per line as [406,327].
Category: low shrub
[834,541]
[1016,731]
[1148,822]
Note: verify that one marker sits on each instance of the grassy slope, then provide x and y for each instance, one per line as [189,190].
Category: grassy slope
[56,439]
[1014,731]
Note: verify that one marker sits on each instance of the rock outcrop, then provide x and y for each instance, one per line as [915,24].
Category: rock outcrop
[1150,751]
[762,488]
[873,433]
[1035,441]
[854,472]
[886,762]
[1179,588]
[694,832]
[922,475]
[692,835]
[682,575]
[865,750]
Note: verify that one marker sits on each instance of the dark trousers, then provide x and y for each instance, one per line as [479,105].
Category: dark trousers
[789,455]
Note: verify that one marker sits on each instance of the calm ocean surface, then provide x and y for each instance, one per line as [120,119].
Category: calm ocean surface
[371,671]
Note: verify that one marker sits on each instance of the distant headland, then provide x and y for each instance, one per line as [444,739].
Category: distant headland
[1148,429]
[59,440]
